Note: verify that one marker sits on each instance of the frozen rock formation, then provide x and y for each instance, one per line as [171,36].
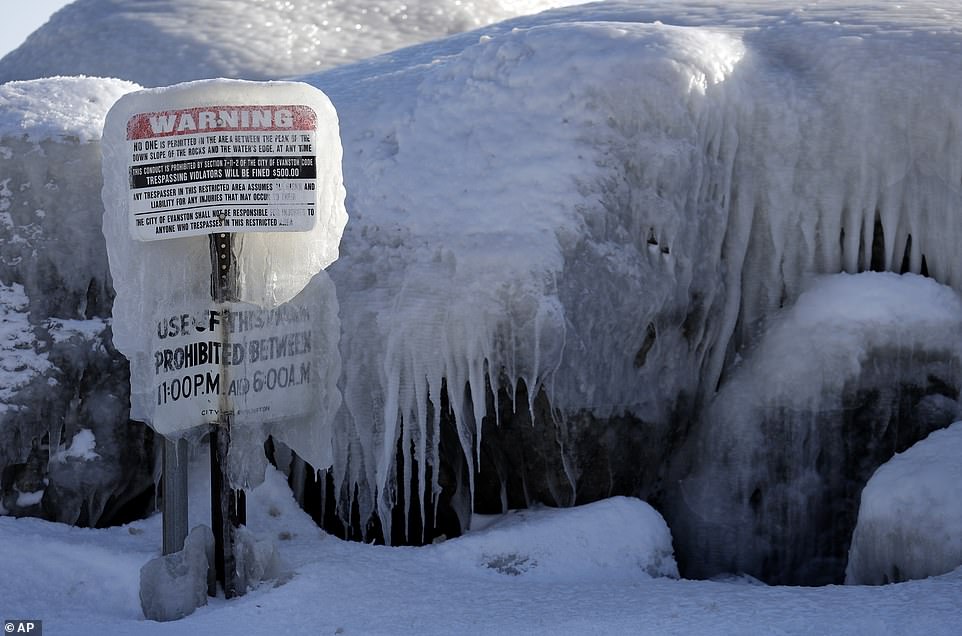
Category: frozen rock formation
[860,367]
[910,516]
[61,374]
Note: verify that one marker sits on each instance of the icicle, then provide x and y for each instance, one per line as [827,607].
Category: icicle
[421,397]
[298,478]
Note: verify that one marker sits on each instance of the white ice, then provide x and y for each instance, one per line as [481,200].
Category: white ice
[910,517]
[616,539]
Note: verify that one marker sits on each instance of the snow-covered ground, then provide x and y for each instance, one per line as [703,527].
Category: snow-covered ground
[575,571]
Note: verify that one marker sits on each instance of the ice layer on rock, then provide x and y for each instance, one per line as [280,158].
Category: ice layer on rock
[910,517]
[856,367]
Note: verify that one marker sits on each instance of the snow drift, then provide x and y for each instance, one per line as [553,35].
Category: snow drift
[615,539]
[910,518]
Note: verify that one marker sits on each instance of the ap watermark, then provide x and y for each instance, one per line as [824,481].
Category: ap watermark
[32,627]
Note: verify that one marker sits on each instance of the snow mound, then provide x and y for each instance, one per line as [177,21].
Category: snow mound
[910,519]
[169,41]
[58,108]
[613,539]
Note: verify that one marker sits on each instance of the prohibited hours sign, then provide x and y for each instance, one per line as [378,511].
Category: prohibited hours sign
[222,168]
[231,316]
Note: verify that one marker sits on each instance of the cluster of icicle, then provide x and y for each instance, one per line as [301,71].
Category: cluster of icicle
[713,175]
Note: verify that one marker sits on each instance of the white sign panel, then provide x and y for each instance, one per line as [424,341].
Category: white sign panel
[267,367]
[222,168]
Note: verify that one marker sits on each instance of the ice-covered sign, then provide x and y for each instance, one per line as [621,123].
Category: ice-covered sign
[224,167]
[257,365]
[260,162]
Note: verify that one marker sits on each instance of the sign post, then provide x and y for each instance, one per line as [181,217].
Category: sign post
[246,177]
[175,494]
[228,505]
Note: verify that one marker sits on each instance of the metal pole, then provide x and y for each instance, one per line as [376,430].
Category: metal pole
[174,504]
[228,506]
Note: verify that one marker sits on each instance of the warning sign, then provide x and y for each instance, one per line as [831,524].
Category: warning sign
[225,168]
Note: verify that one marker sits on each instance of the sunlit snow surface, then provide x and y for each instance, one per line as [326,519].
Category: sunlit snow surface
[168,41]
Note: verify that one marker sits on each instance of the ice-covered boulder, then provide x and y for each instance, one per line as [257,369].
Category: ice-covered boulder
[910,518]
[61,374]
[611,240]
[859,367]
[170,41]
[257,560]
[50,208]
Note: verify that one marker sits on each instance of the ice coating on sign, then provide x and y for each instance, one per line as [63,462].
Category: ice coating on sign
[164,319]
[168,41]
[273,267]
